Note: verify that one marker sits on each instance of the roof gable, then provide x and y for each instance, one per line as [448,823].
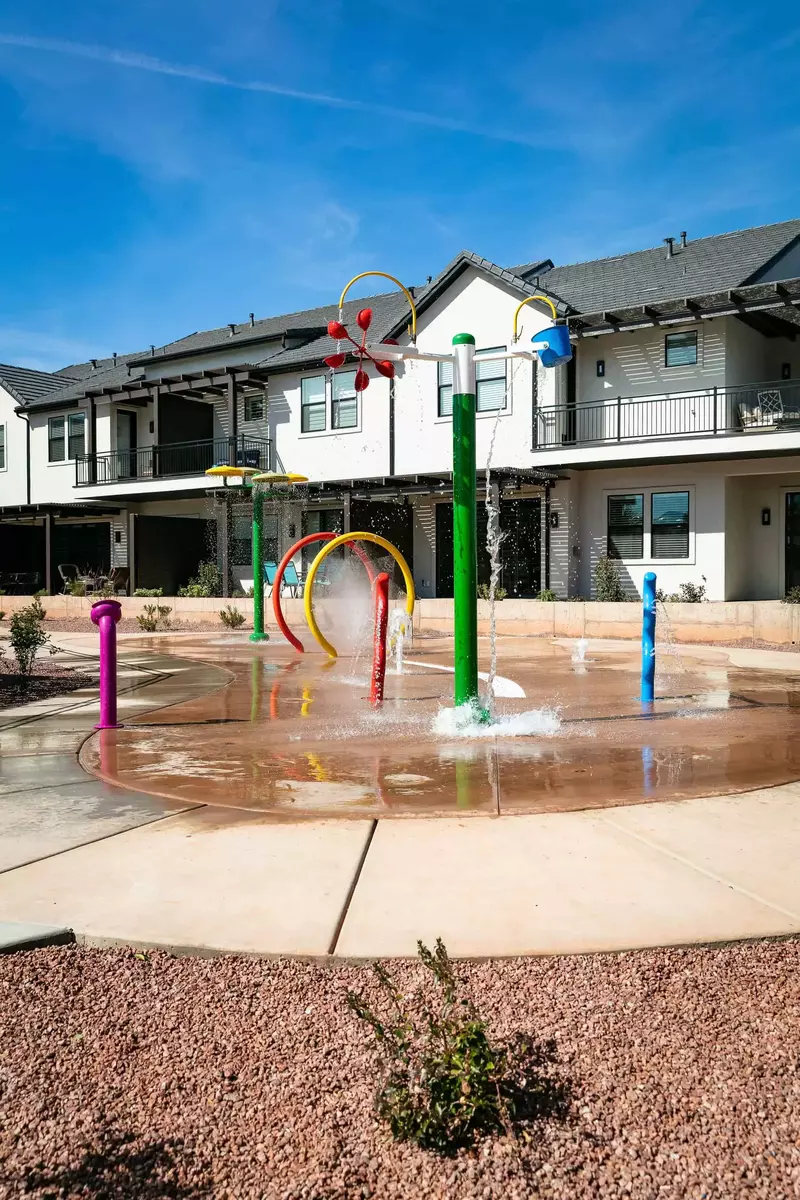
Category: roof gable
[27,385]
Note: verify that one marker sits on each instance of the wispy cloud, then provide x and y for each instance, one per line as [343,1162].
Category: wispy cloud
[145,62]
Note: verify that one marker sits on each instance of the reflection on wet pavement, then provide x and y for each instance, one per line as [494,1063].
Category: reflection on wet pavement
[294,736]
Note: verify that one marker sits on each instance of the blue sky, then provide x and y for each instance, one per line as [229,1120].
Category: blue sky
[172,165]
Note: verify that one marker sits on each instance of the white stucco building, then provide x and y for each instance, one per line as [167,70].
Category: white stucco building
[671,442]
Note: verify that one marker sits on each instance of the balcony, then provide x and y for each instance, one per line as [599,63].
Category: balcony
[170,461]
[749,408]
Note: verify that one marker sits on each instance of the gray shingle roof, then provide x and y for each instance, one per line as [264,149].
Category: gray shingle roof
[27,385]
[710,264]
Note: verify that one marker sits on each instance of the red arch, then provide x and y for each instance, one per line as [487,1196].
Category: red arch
[283,564]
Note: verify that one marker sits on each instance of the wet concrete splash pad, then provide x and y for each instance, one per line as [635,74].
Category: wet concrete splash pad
[294,737]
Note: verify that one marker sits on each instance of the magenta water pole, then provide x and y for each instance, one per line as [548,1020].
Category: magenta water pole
[105,614]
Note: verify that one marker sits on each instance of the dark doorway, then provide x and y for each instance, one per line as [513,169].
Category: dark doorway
[22,549]
[394,521]
[320,520]
[520,554]
[86,545]
[182,421]
[792,540]
[126,444]
[168,550]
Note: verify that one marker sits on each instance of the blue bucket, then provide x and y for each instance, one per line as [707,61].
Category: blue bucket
[559,347]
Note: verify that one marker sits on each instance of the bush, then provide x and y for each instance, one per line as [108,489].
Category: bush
[500,593]
[547,594]
[207,582]
[231,616]
[76,587]
[149,592]
[607,583]
[154,617]
[792,596]
[27,636]
[446,1083]
[691,593]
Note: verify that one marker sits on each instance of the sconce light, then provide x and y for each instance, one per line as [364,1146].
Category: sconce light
[786,370]
[117,537]
[554,520]
[152,426]
[601,368]
[766,516]
[292,529]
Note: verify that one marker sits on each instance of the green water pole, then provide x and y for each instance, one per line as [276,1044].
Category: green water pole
[465,546]
[258,634]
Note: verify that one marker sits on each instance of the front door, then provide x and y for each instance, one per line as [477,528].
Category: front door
[792,540]
[126,444]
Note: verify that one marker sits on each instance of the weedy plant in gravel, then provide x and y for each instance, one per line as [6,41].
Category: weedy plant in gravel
[446,1083]
[154,617]
[231,616]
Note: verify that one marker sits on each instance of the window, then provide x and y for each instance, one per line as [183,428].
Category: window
[66,437]
[241,546]
[445,390]
[680,349]
[2,447]
[312,404]
[625,527]
[254,407]
[344,406]
[490,382]
[669,524]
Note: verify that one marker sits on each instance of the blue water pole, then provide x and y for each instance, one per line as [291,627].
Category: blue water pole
[649,637]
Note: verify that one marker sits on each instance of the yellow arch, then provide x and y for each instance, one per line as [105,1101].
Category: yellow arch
[544,300]
[323,554]
[403,289]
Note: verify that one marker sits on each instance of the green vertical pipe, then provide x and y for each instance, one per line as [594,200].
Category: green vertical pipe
[258,634]
[465,547]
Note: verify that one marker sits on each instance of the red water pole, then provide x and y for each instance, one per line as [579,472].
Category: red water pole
[380,589]
[105,614]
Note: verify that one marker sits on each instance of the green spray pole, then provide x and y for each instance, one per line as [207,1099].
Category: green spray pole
[258,634]
[465,546]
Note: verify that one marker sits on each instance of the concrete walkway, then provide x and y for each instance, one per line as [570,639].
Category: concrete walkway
[115,865]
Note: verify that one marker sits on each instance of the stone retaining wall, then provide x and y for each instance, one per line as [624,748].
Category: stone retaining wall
[716,621]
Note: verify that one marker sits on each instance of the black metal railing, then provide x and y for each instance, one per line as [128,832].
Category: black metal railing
[171,460]
[745,408]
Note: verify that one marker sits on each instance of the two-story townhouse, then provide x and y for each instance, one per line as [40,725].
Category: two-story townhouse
[671,442]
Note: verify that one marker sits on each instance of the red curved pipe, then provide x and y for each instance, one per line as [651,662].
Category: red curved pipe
[356,547]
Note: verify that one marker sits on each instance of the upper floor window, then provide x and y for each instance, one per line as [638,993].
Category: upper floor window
[344,405]
[490,381]
[254,407]
[312,404]
[680,349]
[66,437]
[444,406]
[2,447]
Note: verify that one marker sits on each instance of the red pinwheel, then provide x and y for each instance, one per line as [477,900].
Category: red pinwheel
[338,331]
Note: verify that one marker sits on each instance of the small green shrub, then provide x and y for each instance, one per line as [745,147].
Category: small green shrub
[547,594]
[231,616]
[446,1082]
[37,609]
[154,617]
[792,596]
[149,592]
[500,593]
[207,582]
[76,587]
[690,593]
[607,583]
[27,636]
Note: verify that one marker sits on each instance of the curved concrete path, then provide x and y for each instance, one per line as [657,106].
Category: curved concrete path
[118,866]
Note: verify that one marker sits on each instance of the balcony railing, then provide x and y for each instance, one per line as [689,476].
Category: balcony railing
[752,408]
[170,461]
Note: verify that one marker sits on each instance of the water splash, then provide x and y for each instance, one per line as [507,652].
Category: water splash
[579,652]
[467,721]
[399,631]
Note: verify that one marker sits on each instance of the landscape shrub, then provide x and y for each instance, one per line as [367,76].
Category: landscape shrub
[26,635]
[687,593]
[547,594]
[792,596]
[154,617]
[446,1083]
[231,616]
[608,586]
[500,593]
[207,582]
[76,587]
[149,592]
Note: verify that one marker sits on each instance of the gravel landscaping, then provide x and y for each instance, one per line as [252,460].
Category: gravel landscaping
[141,1075]
[47,680]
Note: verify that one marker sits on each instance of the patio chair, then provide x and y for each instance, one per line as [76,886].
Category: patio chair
[70,574]
[270,571]
[771,405]
[117,579]
[291,581]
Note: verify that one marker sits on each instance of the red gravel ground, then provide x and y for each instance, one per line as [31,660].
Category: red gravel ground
[141,1075]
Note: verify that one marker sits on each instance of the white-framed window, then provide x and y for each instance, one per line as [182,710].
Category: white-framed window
[254,407]
[66,437]
[444,404]
[680,349]
[490,381]
[344,400]
[312,404]
[3,463]
[649,525]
